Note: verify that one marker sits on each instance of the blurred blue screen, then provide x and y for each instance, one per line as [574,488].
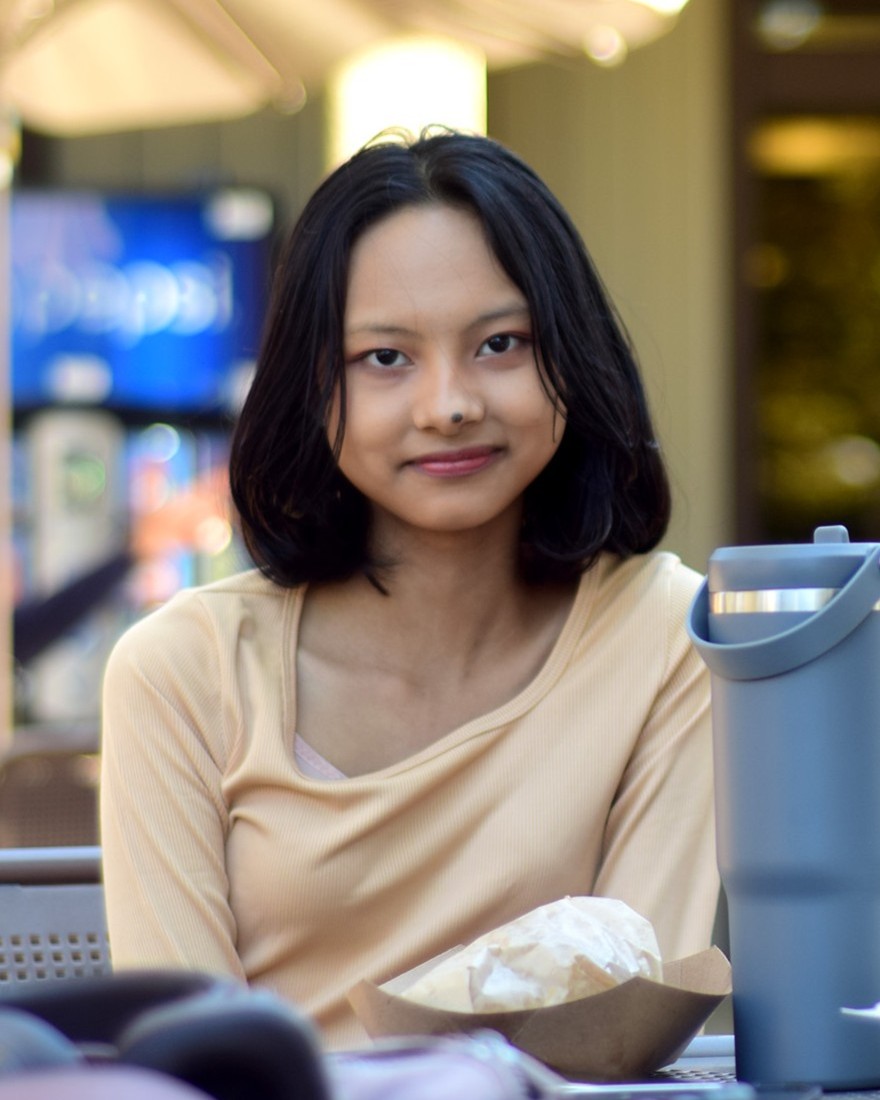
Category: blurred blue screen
[137,303]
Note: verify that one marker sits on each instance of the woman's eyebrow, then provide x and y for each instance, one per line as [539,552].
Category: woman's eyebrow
[515,310]
[380,327]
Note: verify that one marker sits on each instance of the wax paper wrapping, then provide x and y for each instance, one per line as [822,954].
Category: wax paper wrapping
[558,952]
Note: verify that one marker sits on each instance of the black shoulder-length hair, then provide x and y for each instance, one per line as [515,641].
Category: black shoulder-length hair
[606,486]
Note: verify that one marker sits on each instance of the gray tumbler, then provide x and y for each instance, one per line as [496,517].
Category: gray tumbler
[791,635]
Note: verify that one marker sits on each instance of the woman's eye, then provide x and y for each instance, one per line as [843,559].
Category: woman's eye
[500,343]
[385,357]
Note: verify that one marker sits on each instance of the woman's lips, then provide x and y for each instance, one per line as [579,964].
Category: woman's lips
[468,460]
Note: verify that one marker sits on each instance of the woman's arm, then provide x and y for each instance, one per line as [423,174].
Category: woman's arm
[163,818]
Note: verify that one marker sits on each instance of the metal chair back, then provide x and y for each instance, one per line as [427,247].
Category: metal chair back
[52,921]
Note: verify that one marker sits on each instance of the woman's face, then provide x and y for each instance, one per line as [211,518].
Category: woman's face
[447,421]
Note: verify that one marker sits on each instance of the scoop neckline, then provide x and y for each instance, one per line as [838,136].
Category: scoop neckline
[556,661]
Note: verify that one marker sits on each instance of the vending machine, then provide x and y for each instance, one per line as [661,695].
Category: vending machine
[135,322]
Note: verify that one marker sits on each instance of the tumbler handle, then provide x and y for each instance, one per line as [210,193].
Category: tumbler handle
[757,660]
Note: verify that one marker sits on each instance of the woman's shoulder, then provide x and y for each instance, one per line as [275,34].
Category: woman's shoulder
[660,574]
[249,583]
[219,613]
[230,596]
[640,601]
[643,593]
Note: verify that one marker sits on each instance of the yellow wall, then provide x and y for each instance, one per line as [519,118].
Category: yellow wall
[638,156]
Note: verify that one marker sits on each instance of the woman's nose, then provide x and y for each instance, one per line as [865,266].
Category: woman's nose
[444,401]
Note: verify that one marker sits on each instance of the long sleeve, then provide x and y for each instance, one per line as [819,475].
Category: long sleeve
[163,817]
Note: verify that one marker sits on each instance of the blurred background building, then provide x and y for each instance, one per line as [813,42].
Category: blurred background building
[721,158]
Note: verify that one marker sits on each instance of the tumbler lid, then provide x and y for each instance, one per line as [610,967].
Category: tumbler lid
[827,562]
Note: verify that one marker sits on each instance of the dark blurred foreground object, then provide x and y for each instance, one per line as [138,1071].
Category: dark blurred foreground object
[479,1066]
[152,1035]
[214,1035]
[86,1083]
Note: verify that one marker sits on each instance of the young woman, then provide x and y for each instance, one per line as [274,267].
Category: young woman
[458,684]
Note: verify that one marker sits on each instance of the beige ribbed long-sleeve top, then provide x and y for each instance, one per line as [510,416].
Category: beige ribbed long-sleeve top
[220,855]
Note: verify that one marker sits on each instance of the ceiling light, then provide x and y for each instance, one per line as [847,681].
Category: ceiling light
[405,84]
[605,45]
[613,28]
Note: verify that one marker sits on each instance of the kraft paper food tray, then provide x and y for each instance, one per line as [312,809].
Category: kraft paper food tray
[625,1033]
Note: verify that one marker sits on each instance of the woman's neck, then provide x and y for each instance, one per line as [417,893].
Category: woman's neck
[452,600]
[456,634]
[458,577]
